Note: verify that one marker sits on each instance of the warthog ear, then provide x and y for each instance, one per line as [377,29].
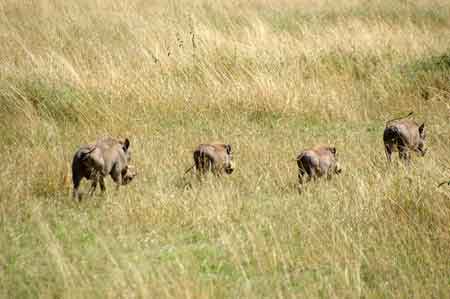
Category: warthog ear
[228,148]
[422,128]
[333,150]
[126,144]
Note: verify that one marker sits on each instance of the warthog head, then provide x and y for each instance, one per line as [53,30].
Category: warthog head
[128,174]
[421,142]
[337,167]
[228,163]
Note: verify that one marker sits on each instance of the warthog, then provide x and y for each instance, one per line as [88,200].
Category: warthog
[404,135]
[216,158]
[108,156]
[316,162]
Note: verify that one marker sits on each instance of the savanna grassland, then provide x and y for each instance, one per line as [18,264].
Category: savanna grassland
[269,77]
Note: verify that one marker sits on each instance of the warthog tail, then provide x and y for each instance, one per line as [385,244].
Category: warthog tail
[443,183]
[389,121]
[85,154]
[189,169]
[299,157]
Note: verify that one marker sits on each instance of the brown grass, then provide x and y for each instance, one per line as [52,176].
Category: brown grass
[269,77]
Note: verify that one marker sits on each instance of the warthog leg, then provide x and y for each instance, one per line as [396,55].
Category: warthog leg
[301,175]
[76,179]
[95,177]
[403,153]
[388,151]
[203,164]
[117,178]
[93,187]
[102,184]
[329,174]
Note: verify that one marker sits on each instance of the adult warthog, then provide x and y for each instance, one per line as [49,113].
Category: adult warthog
[216,158]
[108,156]
[404,135]
[317,162]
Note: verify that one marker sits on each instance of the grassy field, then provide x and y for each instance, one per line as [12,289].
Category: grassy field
[269,77]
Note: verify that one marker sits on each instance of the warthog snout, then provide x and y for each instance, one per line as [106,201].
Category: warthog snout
[129,175]
[229,168]
[338,169]
[423,152]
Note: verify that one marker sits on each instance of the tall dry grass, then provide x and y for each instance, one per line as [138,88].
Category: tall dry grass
[269,77]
